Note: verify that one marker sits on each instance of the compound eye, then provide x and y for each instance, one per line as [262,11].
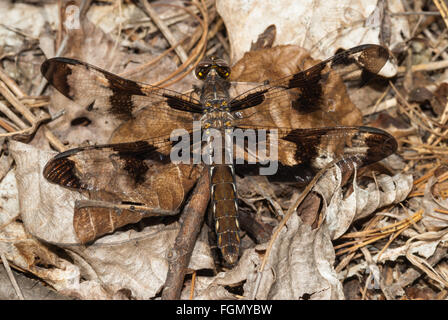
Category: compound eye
[224,72]
[201,73]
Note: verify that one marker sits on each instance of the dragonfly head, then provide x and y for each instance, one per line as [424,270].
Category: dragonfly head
[212,66]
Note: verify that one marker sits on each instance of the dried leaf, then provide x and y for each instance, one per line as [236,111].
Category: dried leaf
[300,265]
[322,32]
[340,212]
[9,202]
[28,254]
[47,210]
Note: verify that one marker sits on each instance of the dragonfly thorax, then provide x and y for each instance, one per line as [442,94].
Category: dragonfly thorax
[217,118]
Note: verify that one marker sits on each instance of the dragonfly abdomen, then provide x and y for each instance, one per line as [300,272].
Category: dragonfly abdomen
[225,210]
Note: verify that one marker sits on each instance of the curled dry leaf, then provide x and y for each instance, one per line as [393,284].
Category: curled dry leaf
[29,254]
[341,211]
[302,258]
[300,265]
[301,261]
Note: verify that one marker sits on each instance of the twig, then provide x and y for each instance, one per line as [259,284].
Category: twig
[164,29]
[16,103]
[12,116]
[441,6]
[193,281]
[11,84]
[11,276]
[196,54]
[183,247]
[120,29]
[415,13]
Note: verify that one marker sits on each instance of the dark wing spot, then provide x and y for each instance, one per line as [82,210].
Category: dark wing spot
[307,145]
[134,155]
[311,93]
[62,171]
[136,168]
[122,92]
[381,144]
[181,104]
[57,71]
[251,100]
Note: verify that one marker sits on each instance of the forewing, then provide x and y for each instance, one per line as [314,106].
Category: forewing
[104,92]
[309,92]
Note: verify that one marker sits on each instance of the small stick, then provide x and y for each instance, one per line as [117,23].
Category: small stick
[12,116]
[419,13]
[8,126]
[165,30]
[11,84]
[183,247]
[16,103]
[441,6]
[11,276]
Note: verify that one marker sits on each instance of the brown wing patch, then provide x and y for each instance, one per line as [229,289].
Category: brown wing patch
[317,88]
[62,171]
[302,152]
[102,91]
[86,168]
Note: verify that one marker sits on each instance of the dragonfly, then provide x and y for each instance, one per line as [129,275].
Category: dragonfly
[210,121]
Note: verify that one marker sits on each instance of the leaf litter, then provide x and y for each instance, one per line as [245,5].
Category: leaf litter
[380,236]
